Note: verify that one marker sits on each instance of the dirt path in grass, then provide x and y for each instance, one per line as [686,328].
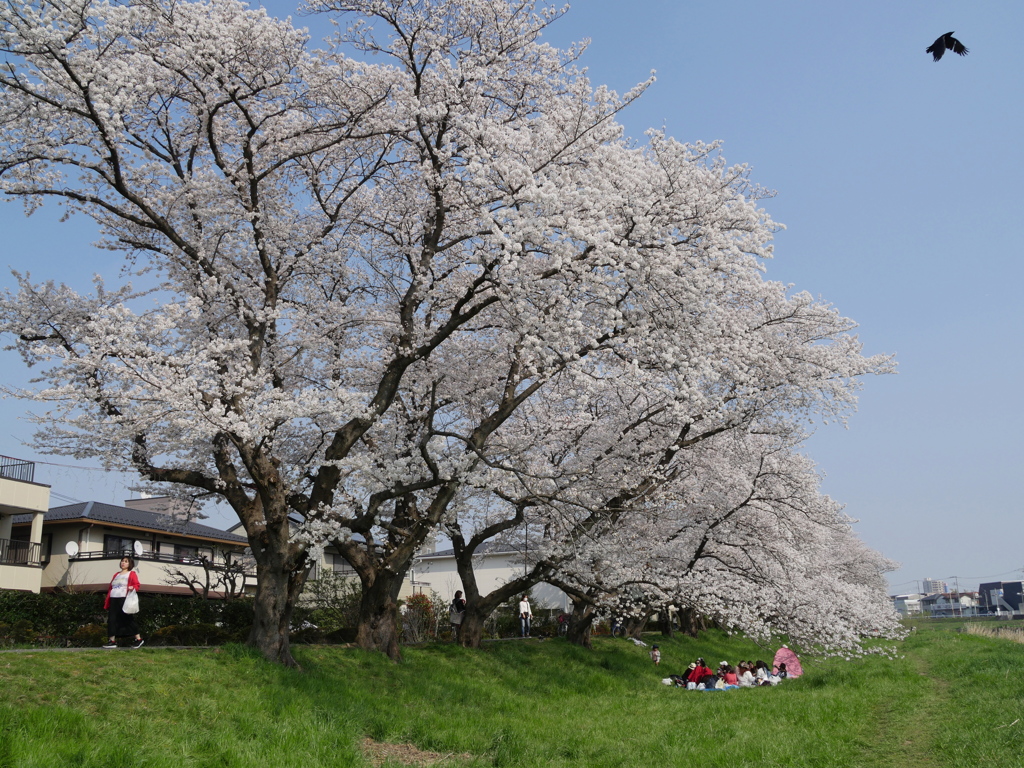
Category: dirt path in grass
[906,725]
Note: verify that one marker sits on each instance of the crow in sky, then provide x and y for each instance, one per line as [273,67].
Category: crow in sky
[945,43]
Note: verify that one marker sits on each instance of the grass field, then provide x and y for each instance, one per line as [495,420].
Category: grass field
[952,699]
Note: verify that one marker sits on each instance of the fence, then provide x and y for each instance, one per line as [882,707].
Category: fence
[17,469]
[19,553]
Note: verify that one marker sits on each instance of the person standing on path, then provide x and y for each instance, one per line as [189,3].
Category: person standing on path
[119,623]
[525,614]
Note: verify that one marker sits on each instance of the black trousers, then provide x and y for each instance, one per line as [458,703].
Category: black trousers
[119,623]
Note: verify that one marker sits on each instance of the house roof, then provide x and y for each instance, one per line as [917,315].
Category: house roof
[487,548]
[98,512]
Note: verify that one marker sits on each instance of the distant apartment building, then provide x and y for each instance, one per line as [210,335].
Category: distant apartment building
[931,586]
[950,604]
[1002,597]
[907,605]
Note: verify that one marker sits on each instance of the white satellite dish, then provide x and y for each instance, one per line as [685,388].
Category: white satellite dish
[71,548]
[137,546]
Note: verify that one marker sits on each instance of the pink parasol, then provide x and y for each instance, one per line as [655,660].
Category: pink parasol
[787,657]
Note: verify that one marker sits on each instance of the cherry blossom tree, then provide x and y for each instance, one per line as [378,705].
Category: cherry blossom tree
[628,427]
[377,296]
[745,537]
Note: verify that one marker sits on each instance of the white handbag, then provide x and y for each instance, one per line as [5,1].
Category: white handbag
[131,602]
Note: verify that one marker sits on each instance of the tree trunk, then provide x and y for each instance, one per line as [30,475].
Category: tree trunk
[378,614]
[472,629]
[636,625]
[665,622]
[480,607]
[690,622]
[581,622]
[276,593]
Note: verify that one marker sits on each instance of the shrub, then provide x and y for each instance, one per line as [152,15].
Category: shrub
[343,635]
[505,624]
[333,601]
[22,631]
[307,635]
[236,617]
[189,634]
[65,618]
[57,615]
[418,620]
[89,636]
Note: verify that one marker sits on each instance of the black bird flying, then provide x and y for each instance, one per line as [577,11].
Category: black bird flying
[945,43]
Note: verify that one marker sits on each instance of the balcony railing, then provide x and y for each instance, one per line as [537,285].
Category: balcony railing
[19,553]
[156,557]
[17,469]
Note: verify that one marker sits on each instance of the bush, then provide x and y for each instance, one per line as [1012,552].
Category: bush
[418,620]
[18,631]
[343,635]
[333,601]
[89,636]
[57,615]
[308,635]
[157,611]
[504,624]
[189,634]
[237,616]
[65,618]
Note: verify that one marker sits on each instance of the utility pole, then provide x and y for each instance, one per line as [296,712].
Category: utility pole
[956,582]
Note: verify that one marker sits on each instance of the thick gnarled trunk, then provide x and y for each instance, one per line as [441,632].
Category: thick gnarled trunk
[480,607]
[378,628]
[277,590]
[666,621]
[636,625]
[690,622]
[581,624]
[472,630]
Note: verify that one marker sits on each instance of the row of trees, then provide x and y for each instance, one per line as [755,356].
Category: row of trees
[419,282]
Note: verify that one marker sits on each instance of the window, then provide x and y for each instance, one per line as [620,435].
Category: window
[118,545]
[339,564]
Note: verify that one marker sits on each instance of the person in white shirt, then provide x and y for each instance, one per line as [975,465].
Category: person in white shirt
[746,676]
[525,614]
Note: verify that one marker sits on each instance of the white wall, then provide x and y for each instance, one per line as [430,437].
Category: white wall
[493,570]
[20,577]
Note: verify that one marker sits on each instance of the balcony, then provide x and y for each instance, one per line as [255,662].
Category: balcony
[25,553]
[156,557]
[17,469]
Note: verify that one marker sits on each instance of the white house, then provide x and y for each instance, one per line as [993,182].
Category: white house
[78,547]
[494,565]
[907,605]
[21,565]
[956,604]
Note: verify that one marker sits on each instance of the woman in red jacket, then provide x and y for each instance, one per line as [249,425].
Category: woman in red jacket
[119,623]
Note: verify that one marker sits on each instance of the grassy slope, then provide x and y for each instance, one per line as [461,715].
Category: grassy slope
[512,704]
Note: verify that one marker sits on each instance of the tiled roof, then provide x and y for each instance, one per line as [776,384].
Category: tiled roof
[136,518]
[488,548]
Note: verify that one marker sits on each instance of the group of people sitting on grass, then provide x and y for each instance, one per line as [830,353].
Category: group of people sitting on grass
[746,674]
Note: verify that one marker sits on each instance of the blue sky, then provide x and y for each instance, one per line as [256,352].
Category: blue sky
[898,180]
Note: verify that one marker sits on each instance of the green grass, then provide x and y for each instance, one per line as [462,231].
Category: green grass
[512,704]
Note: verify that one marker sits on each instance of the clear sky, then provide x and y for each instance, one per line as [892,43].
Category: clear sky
[899,181]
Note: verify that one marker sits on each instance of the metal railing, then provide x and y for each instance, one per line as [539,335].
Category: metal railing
[156,557]
[19,553]
[17,469]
